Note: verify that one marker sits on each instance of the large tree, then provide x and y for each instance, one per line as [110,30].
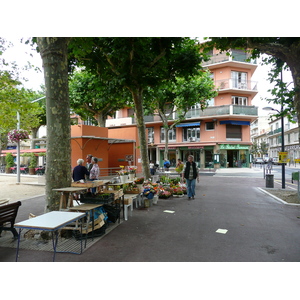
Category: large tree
[282,50]
[54,53]
[137,63]
[93,98]
[178,97]
[14,99]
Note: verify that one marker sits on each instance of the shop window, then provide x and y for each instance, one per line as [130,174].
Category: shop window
[191,134]
[233,132]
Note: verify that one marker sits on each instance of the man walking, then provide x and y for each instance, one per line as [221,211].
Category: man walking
[190,173]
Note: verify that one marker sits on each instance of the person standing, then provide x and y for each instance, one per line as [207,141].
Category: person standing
[151,166]
[89,164]
[95,172]
[190,173]
[167,165]
[80,171]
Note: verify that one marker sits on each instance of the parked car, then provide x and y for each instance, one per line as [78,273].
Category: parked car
[276,161]
[259,160]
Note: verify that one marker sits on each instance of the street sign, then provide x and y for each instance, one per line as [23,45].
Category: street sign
[283,157]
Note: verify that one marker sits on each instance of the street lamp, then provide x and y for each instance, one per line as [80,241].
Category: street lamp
[282,141]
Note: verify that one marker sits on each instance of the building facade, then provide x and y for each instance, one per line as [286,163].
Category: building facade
[218,136]
[291,138]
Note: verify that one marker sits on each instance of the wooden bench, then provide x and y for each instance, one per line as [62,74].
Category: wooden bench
[8,214]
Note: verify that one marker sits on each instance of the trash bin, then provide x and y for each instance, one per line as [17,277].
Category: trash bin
[269,180]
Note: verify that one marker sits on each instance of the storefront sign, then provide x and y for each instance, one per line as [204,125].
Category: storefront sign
[195,147]
[233,147]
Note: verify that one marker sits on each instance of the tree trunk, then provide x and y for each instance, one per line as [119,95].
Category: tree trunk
[58,171]
[139,111]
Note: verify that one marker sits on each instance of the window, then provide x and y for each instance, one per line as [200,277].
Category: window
[150,135]
[172,135]
[233,132]
[191,134]
[194,110]
[210,125]
[211,102]
[235,100]
[239,80]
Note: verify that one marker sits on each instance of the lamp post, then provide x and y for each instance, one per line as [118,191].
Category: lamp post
[18,144]
[282,142]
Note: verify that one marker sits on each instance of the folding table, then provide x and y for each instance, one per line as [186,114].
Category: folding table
[51,221]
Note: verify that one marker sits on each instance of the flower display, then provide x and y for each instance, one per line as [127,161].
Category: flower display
[140,180]
[177,190]
[123,171]
[16,135]
[164,194]
[132,169]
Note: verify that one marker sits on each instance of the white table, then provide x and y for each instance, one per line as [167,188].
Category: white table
[52,221]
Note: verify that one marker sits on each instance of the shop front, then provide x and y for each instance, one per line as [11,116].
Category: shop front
[234,156]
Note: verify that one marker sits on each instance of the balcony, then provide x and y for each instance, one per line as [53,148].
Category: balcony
[237,58]
[276,131]
[232,86]
[223,110]
[211,111]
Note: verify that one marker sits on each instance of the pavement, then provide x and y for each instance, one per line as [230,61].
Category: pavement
[230,220]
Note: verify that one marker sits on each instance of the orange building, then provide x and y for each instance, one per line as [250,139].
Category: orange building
[111,152]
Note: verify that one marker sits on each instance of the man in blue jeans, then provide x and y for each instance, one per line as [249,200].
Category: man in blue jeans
[190,173]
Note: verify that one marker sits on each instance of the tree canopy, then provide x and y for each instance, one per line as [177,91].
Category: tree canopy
[135,64]
[93,98]
[284,52]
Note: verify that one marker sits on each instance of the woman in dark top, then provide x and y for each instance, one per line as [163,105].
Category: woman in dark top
[80,171]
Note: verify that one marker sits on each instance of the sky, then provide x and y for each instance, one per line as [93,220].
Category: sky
[20,53]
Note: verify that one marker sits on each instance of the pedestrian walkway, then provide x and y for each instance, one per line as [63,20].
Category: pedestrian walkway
[229,220]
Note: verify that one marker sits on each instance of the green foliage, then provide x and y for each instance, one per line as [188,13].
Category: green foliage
[94,98]
[135,64]
[9,159]
[32,160]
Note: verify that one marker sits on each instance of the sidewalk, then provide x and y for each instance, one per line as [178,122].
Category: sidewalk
[230,220]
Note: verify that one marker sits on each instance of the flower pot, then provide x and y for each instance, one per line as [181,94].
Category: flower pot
[155,199]
[140,187]
[31,171]
[147,202]
[131,176]
[123,178]
[7,170]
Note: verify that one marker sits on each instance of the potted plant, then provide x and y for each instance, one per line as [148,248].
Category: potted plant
[32,163]
[9,159]
[123,173]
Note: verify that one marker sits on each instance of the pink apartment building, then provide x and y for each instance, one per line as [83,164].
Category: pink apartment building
[219,136]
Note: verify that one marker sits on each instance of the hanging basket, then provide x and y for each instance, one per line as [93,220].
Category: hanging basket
[17,135]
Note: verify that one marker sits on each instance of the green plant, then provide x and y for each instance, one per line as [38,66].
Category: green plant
[33,161]
[9,159]
[165,179]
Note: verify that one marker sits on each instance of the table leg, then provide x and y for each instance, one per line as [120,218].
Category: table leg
[54,243]
[18,245]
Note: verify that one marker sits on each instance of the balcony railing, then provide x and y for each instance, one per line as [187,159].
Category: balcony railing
[230,83]
[223,110]
[210,111]
[222,57]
